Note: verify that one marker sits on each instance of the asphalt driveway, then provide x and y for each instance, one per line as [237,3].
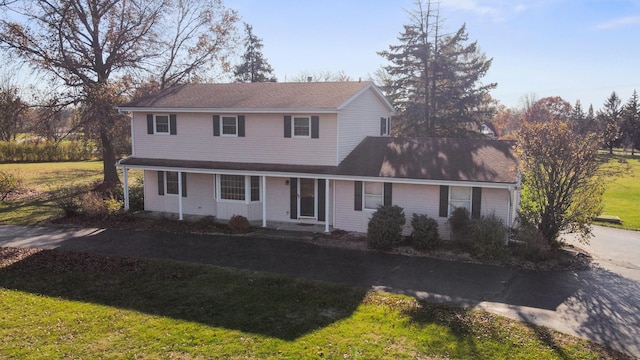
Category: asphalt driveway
[599,304]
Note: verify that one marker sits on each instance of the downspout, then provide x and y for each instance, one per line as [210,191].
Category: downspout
[125,180]
[180,217]
[264,201]
[326,208]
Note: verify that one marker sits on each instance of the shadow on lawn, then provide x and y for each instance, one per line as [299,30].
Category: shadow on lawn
[270,305]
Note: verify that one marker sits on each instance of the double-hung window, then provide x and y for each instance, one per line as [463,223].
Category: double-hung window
[161,124]
[301,127]
[459,197]
[168,183]
[229,126]
[239,187]
[373,195]
[171,182]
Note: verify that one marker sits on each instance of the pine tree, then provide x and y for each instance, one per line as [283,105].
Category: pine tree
[433,79]
[610,121]
[255,67]
[631,123]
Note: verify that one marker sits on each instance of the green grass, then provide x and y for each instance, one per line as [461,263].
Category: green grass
[64,305]
[43,178]
[622,194]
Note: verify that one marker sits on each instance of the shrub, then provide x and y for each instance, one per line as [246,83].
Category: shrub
[46,151]
[385,227]
[425,233]
[532,245]
[92,204]
[136,195]
[68,199]
[8,183]
[460,225]
[112,205]
[488,236]
[239,224]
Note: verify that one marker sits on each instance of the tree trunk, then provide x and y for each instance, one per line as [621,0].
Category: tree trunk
[108,159]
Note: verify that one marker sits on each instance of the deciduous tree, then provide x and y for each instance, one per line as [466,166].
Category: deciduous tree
[433,79]
[12,111]
[548,109]
[562,186]
[97,47]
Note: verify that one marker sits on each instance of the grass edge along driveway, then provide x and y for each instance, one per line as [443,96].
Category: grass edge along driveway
[61,304]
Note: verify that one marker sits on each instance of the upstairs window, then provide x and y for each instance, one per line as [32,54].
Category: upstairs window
[385,126]
[161,124]
[229,126]
[301,127]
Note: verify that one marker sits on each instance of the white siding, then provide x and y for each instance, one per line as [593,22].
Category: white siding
[419,199]
[361,118]
[199,200]
[264,141]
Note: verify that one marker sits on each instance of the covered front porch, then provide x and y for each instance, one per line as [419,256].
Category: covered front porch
[263,198]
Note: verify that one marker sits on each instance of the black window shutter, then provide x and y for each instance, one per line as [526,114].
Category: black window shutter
[172,124]
[287,126]
[357,202]
[383,126]
[444,201]
[216,125]
[184,184]
[315,127]
[149,123]
[476,199]
[160,182]
[387,194]
[293,190]
[321,199]
[241,125]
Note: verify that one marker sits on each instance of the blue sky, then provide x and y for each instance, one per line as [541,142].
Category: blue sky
[576,49]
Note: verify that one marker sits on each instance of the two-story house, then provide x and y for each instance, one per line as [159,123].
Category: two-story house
[316,153]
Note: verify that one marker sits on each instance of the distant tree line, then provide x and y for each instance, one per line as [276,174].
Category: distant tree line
[616,124]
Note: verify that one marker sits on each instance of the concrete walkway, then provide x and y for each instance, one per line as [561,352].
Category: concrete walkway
[600,305]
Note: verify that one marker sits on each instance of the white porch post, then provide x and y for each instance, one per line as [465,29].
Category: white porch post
[326,205]
[125,179]
[264,201]
[180,217]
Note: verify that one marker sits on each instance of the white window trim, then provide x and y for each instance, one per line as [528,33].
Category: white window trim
[247,190]
[155,125]
[387,127]
[222,125]
[166,182]
[293,127]
[451,207]
[364,195]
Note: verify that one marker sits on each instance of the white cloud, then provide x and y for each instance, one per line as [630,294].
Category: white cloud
[497,9]
[618,23]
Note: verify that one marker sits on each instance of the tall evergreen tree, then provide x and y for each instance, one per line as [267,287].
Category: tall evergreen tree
[631,122]
[254,67]
[610,121]
[433,79]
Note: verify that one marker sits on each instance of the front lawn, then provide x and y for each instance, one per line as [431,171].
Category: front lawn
[69,305]
[622,194]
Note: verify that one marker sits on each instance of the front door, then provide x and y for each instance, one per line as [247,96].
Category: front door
[307,198]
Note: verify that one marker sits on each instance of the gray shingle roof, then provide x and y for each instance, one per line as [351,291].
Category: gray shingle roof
[473,160]
[433,159]
[309,95]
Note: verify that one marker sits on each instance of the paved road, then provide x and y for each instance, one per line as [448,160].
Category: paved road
[601,305]
[615,250]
